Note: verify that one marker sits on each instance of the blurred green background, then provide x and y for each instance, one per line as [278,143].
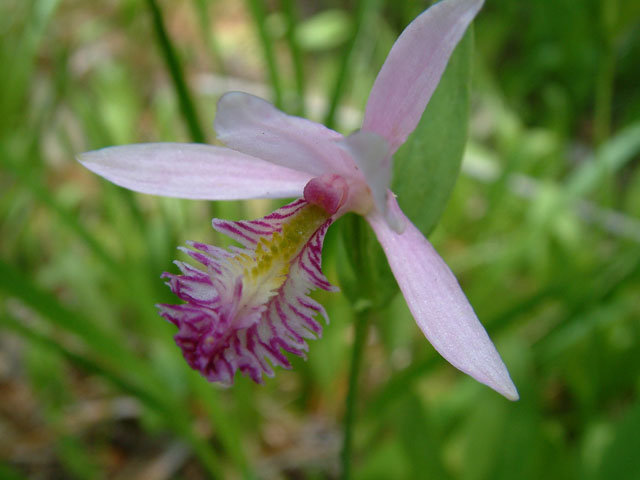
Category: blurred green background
[542,229]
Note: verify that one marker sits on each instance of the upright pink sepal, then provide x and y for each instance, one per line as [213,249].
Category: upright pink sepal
[413,69]
[439,306]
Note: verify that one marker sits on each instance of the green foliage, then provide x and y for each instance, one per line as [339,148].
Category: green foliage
[620,458]
[327,29]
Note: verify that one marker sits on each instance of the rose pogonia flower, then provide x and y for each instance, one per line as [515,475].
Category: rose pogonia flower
[247,304]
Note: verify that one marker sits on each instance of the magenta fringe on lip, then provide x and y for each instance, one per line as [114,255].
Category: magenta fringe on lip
[215,338]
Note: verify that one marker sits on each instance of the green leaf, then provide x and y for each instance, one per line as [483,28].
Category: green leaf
[427,165]
[610,158]
[258,11]
[9,473]
[620,459]
[363,12]
[365,276]
[325,30]
[27,30]
[504,441]
[168,50]
[421,445]
[385,460]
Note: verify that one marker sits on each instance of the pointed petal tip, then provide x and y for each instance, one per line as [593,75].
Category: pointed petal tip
[505,387]
[81,156]
[512,394]
[88,159]
[95,161]
[489,370]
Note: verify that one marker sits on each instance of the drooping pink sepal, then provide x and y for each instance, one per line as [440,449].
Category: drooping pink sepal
[439,306]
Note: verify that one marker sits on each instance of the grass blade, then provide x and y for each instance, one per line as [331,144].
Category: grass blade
[256,8]
[364,9]
[177,75]
[289,8]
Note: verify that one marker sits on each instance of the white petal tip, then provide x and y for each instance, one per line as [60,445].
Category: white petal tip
[86,158]
[492,372]
[501,382]
[510,392]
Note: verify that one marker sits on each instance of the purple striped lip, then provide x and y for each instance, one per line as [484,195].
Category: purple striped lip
[222,328]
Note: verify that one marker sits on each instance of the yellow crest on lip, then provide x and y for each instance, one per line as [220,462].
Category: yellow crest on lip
[265,268]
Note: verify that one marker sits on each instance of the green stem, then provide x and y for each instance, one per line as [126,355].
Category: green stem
[210,40]
[606,72]
[362,9]
[289,8]
[604,97]
[362,309]
[260,17]
[604,91]
[177,76]
[189,112]
[361,321]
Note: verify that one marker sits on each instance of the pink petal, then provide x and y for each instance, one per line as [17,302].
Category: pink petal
[413,69]
[254,126]
[194,171]
[439,306]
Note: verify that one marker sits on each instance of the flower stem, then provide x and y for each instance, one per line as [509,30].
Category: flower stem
[258,11]
[290,11]
[363,9]
[362,308]
[361,329]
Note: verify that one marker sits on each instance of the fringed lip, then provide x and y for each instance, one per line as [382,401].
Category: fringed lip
[251,304]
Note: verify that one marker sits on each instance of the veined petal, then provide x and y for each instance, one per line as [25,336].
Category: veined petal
[439,306]
[413,69]
[251,303]
[194,171]
[252,125]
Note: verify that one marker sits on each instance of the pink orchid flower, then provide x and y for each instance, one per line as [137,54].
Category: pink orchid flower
[249,303]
